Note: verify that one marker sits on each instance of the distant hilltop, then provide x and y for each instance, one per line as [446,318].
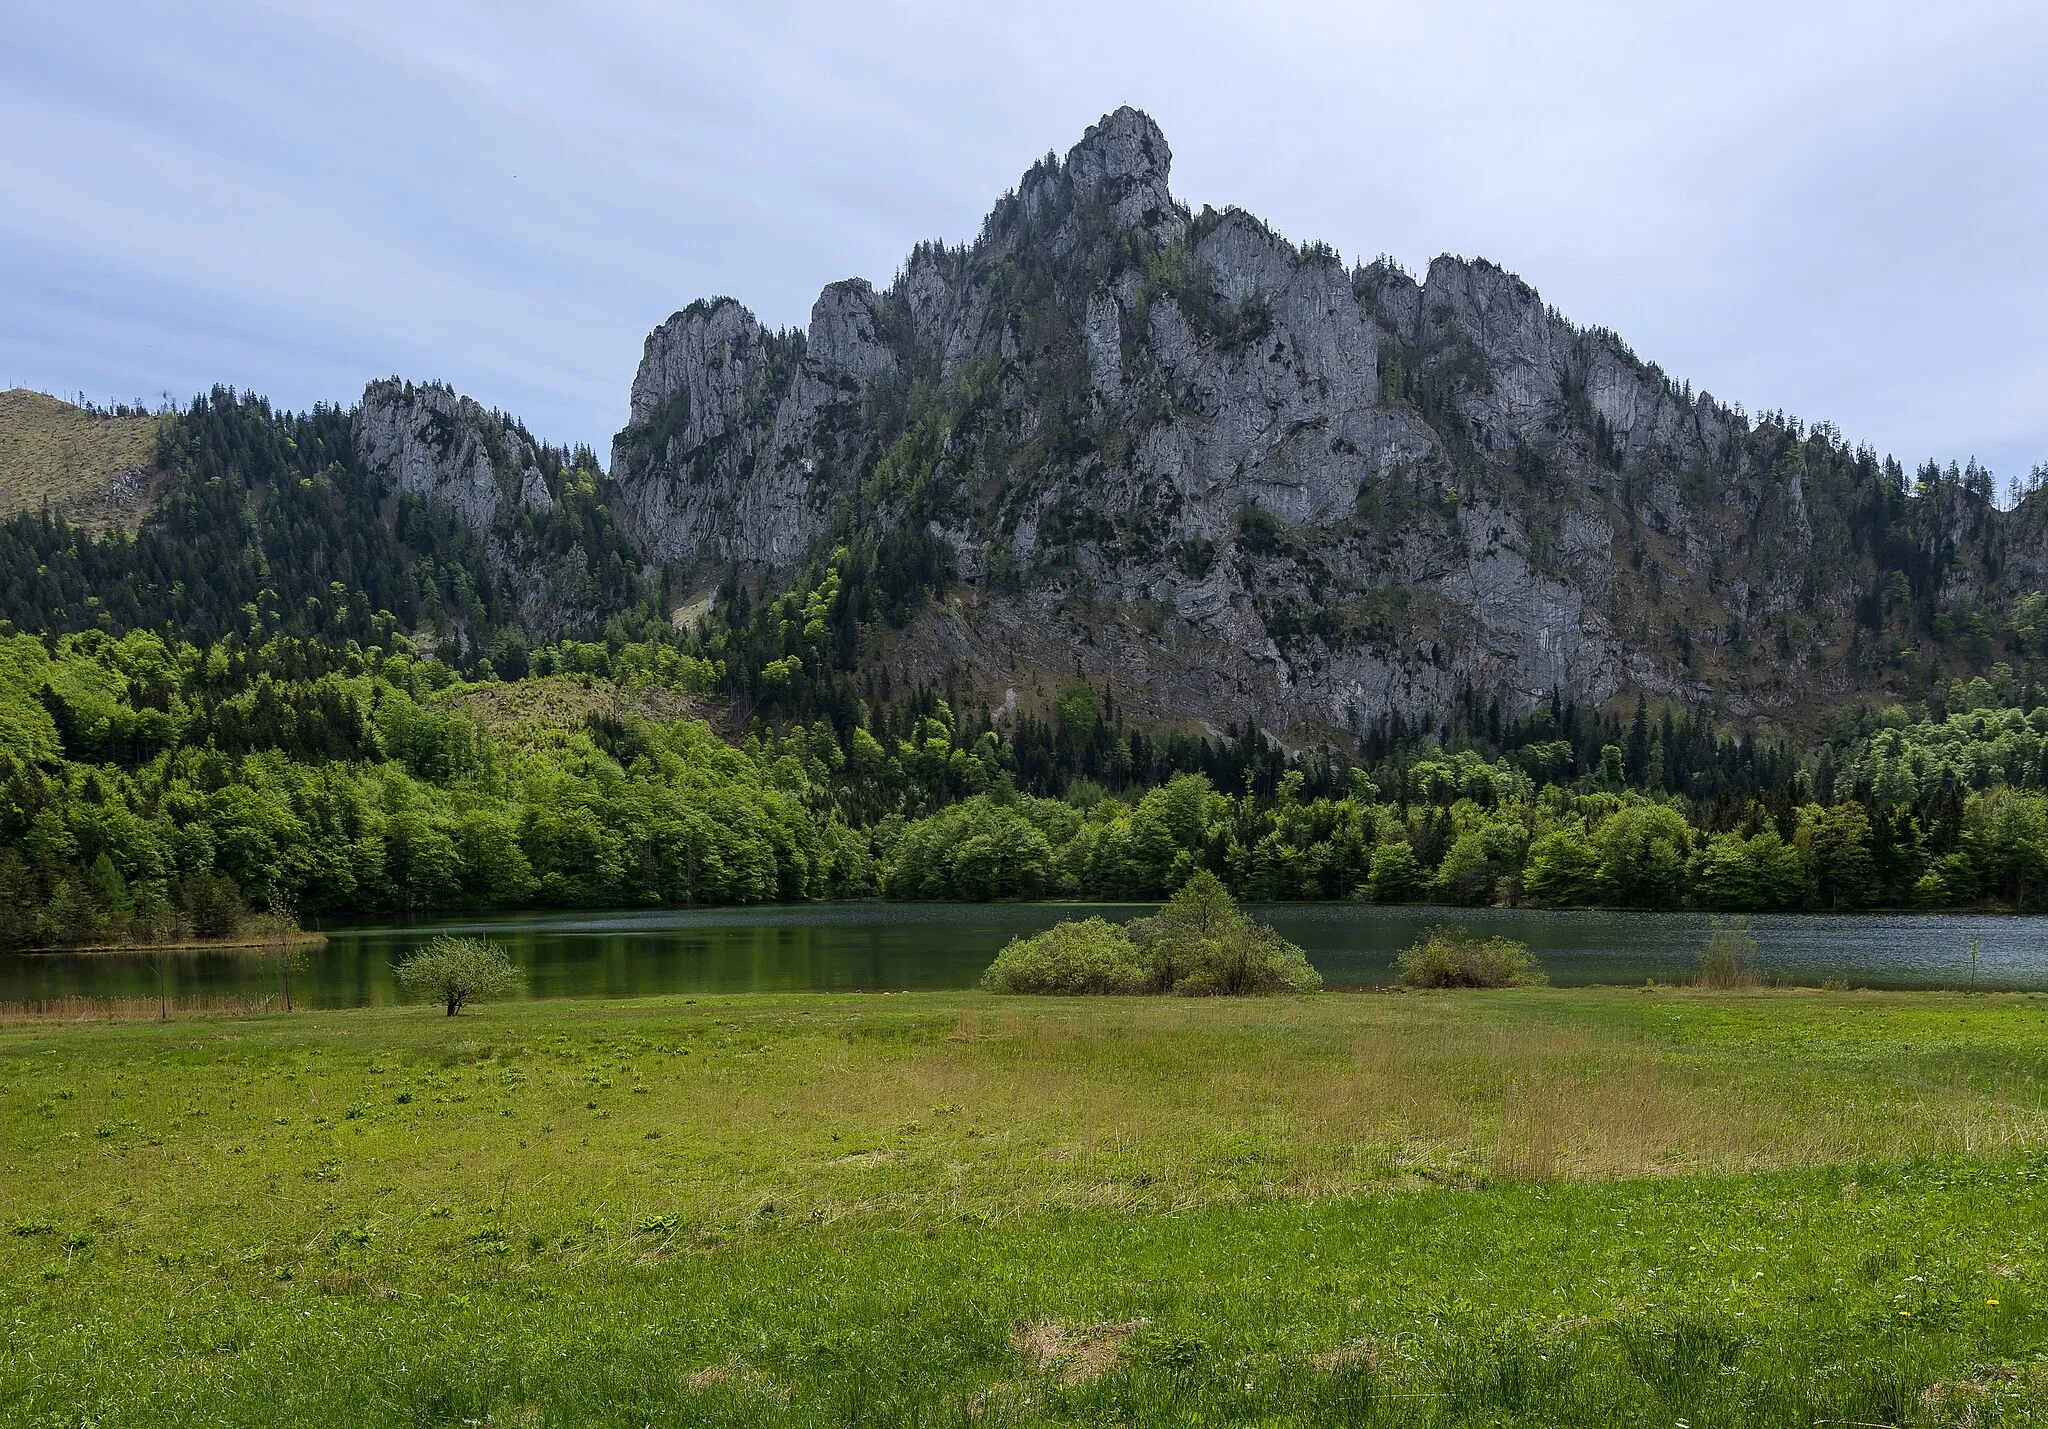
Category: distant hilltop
[96,468]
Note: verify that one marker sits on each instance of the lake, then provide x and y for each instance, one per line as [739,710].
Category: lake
[870,947]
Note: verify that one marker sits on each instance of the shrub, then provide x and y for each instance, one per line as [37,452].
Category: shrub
[1089,956]
[1452,957]
[1728,960]
[1200,945]
[457,970]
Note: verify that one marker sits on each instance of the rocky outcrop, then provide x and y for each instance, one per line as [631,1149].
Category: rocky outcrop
[1239,479]
[448,449]
[482,468]
[735,430]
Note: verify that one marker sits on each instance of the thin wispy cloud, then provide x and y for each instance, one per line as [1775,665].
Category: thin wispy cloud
[1836,208]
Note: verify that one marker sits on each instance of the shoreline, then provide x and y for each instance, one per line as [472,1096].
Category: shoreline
[141,1007]
[349,921]
[264,943]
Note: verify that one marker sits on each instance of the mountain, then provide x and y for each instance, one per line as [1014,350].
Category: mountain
[1225,479]
[1235,479]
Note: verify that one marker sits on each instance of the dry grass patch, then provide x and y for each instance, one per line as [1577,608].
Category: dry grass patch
[133,1009]
[1074,1354]
[98,471]
[544,703]
[712,1376]
[1988,1390]
[1351,1357]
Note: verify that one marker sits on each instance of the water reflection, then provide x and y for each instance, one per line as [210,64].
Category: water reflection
[875,946]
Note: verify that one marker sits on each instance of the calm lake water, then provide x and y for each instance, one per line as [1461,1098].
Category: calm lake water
[882,946]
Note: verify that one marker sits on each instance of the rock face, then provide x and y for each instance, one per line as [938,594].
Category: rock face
[483,469]
[448,449]
[732,426]
[1238,479]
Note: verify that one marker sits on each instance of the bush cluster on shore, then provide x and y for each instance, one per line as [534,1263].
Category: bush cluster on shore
[1452,957]
[1728,958]
[1199,945]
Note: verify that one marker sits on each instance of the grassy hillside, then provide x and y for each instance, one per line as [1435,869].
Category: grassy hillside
[1528,1208]
[96,470]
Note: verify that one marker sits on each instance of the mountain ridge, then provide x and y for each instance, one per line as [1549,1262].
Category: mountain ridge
[1228,479]
[1174,452]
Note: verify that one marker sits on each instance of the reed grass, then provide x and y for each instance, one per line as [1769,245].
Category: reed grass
[76,1008]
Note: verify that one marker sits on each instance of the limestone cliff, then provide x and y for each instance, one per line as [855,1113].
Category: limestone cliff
[486,471]
[1238,478]
[448,449]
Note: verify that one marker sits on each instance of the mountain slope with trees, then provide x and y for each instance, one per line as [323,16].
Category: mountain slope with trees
[326,524]
[1122,544]
[150,788]
[1230,481]
[1243,482]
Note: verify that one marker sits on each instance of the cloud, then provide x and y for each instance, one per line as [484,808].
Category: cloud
[1835,209]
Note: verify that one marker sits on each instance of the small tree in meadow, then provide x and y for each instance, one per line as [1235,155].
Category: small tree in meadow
[158,959]
[286,959]
[453,971]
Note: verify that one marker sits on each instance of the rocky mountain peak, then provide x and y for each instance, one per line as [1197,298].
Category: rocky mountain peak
[1125,156]
[1124,161]
[1242,481]
[842,334]
[683,353]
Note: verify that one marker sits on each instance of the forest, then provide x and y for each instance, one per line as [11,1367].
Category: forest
[296,693]
[160,788]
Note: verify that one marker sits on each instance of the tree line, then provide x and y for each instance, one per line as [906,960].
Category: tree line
[150,787]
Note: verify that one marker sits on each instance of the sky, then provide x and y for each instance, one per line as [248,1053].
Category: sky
[1837,210]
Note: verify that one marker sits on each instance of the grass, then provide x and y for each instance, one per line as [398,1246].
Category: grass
[546,704]
[1526,1207]
[57,455]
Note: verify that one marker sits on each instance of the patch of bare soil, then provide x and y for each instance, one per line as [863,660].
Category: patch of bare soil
[1074,1353]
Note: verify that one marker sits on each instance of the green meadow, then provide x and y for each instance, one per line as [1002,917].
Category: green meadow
[1529,1207]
